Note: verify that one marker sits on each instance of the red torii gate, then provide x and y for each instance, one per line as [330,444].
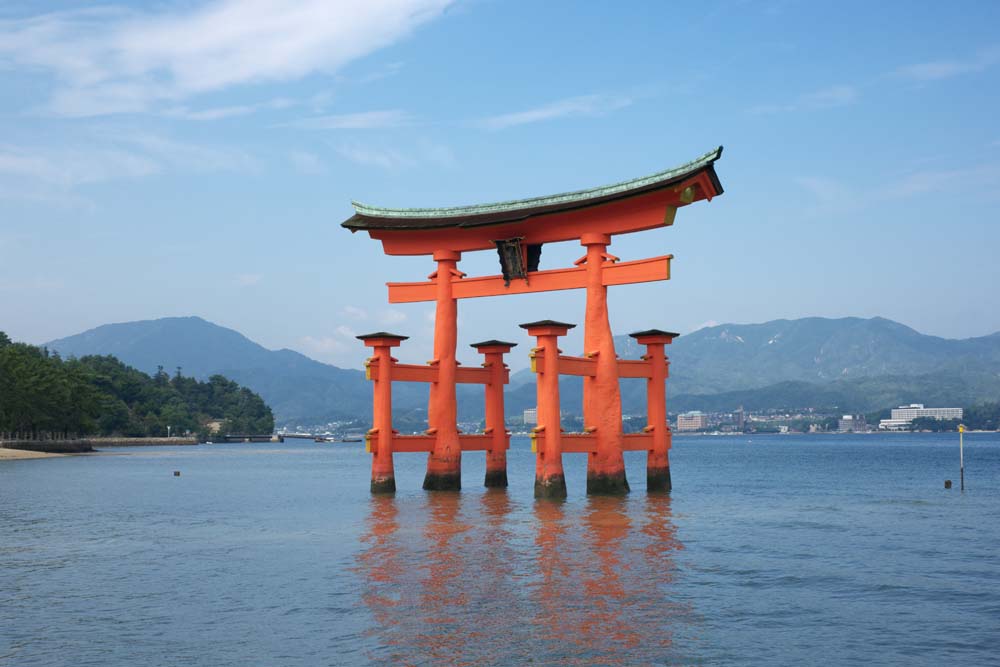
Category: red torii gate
[517,230]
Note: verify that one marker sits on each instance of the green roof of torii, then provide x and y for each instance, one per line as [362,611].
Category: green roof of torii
[375,217]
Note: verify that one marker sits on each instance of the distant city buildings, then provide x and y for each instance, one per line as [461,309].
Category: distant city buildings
[530,416]
[692,421]
[902,417]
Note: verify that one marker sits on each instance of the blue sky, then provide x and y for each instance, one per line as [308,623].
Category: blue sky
[197,157]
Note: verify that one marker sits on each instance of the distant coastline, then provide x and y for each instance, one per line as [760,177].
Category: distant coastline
[85,445]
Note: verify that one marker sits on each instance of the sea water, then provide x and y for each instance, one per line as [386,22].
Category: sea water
[776,550]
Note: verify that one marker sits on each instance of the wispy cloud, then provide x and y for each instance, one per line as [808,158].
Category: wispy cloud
[936,70]
[967,179]
[384,72]
[325,347]
[832,197]
[355,313]
[364,120]
[421,152]
[117,60]
[586,105]
[345,331]
[391,316]
[218,113]
[121,156]
[825,98]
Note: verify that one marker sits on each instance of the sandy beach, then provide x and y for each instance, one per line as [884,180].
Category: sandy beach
[17,454]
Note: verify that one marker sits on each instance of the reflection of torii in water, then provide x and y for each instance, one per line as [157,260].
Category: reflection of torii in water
[517,230]
[461,580]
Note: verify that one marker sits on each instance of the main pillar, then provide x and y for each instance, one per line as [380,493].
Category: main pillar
[550,481]
[379,439]
[602,404]
[444,464]
[496,428]
[657,459]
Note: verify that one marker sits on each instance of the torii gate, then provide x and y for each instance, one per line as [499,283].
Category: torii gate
[517,230]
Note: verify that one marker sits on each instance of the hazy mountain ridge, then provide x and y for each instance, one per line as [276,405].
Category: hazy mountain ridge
[732,357]
[851,363]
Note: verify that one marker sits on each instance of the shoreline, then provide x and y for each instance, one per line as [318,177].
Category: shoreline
[24,454]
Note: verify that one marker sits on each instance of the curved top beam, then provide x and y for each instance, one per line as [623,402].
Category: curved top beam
[374,217]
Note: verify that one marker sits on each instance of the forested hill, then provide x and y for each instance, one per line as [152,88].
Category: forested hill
[41,393]
[300,390]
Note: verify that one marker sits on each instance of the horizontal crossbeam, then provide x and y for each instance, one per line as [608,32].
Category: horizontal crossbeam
[583,443]
[587,366]
[429,373]
[474,442]
[582,366]
[621,273]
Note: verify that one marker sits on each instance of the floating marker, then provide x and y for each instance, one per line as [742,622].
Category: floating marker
[177,473]
[947,483]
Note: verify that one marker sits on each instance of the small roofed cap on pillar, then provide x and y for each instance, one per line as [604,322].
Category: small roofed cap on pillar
[654,332]
[493,343]
[547,323]
[381,334]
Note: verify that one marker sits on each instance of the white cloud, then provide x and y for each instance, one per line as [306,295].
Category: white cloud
[384,72]
[391,316]
[218,113]
[68,167]
[189,156]
[391,158]
[831,96]
[364,120]
[323,345]
[345,331]
[355,313]
[945,69]
[119,156]
[825,98]
[116,60]
[586,105]
[964,181]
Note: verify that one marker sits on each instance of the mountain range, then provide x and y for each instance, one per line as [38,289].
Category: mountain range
[852,364]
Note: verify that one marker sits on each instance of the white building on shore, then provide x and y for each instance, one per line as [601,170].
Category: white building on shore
[903,416]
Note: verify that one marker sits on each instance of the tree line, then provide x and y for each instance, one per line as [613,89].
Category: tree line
[45,396]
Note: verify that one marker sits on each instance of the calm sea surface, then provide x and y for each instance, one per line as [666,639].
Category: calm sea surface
[776,550]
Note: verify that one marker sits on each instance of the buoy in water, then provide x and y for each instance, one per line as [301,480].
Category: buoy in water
[947,483]
[177,473]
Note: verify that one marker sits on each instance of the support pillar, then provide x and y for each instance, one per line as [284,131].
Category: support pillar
[657,459]
[379,438]
[550,482]
[496,455]
[602,403]
[444,464]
